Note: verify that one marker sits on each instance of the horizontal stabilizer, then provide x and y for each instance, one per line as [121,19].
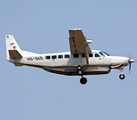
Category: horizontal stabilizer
[16,64]
[14,54]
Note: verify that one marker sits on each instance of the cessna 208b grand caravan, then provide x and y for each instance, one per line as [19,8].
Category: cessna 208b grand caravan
[81,60]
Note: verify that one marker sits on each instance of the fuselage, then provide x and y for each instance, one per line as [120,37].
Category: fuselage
[67,64]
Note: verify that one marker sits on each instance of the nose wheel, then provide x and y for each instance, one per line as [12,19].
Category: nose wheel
[121,76]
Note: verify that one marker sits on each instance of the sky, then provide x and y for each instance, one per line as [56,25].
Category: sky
[28,93]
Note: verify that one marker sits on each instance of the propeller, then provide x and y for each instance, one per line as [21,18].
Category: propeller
[130,61]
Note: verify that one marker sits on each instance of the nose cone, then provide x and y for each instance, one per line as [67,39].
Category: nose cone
[131,61]
[116,60]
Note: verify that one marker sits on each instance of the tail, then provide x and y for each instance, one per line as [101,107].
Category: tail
[12,48]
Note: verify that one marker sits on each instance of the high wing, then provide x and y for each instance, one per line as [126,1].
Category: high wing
[78,42]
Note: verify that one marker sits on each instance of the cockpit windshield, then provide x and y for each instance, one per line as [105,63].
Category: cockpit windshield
[103,54]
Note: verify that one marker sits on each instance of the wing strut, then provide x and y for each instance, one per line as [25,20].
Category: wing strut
[74,44]
[85,48]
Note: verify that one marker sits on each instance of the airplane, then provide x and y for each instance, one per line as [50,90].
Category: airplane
[81,60]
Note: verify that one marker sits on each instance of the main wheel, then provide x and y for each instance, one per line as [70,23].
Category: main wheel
[79,72]
[83,80]
[121,76]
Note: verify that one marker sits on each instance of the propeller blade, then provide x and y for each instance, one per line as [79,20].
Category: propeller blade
[129,68]
[130,61]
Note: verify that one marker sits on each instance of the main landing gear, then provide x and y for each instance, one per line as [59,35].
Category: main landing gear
[121,76]
[83,80]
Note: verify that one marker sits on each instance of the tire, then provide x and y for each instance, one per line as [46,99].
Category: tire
[83,80]
[121,76]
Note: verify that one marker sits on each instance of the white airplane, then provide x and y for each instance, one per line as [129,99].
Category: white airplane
[81,60]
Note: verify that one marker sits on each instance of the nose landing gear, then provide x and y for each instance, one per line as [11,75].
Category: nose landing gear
[121,76]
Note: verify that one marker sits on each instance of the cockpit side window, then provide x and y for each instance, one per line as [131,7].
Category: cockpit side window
[103,54]
[106,53]
[97,55]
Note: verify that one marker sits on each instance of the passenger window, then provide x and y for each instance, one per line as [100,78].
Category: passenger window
[76,55]
[67,56]
[47,57]
[54,57]
[97,55]
[83,55]
[60,56]
[90,55]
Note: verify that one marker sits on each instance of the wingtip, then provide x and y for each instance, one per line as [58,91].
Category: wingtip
[76,29]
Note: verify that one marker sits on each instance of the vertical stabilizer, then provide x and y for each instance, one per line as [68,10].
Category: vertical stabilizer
[12,48]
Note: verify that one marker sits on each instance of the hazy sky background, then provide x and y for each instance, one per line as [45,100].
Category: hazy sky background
[28,93]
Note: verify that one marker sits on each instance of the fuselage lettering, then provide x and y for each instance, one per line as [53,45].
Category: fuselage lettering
[34,58]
